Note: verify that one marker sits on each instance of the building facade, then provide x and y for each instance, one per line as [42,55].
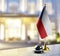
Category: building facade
[18,18]
[21,6]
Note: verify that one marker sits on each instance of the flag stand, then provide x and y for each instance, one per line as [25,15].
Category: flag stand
[44,26]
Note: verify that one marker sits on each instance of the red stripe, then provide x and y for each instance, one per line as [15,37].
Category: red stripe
[41,29]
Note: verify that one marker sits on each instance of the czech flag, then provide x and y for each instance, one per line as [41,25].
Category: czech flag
[44,24]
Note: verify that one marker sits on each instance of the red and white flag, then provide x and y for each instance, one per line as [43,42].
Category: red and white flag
[44,24]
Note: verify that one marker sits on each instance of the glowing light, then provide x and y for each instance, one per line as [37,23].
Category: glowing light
[39,5]
[31,8]
[23,5]
[2,5]
[32,28]
[2,32]
[13,23]
[13,28]
[23,32]
[49,8]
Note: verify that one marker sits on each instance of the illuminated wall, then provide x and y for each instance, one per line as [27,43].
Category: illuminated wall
[19,28]
[13,28]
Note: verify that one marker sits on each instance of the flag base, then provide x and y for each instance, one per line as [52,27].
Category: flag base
[39,50]
[45,48]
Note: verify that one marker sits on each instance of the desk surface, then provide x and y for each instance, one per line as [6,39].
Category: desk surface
[29,51]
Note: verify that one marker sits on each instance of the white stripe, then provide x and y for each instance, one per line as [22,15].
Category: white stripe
[46,22]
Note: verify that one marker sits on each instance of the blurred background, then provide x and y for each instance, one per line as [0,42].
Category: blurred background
[18,20]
